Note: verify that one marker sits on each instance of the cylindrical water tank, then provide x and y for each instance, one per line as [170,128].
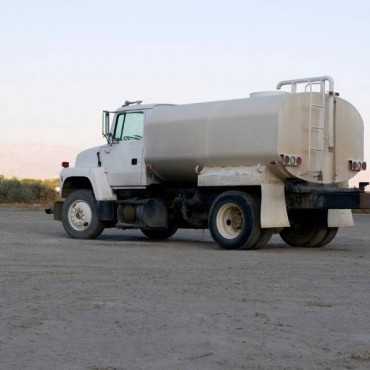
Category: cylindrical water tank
[257,130]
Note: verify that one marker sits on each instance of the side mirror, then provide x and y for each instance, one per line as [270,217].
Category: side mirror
[106,125]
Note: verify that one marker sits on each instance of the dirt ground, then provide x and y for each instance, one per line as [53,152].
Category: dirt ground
[124,302]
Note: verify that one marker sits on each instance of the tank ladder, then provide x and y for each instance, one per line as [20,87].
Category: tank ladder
[317,129]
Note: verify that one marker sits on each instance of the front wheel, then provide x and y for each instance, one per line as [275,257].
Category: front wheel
[79,215]
[234,220]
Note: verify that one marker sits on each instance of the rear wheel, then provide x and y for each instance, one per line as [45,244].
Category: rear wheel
[79,215]
[307,229]
[265,234]
[330,235]
[234,220]
[263,240]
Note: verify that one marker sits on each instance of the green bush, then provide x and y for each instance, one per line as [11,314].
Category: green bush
[27,190]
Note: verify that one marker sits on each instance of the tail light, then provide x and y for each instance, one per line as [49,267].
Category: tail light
[357,165]
[291,159]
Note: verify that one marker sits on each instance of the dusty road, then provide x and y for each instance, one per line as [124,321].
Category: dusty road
[123,302]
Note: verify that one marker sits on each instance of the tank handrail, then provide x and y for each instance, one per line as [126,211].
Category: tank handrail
[306,80]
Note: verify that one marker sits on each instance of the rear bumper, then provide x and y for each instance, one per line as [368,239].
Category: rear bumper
[316,197]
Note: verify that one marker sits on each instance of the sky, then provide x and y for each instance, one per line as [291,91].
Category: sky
[63,62]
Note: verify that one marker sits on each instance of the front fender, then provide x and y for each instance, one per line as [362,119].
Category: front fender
[100,185]
[78,178]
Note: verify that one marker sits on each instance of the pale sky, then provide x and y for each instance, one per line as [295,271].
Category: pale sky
[63,62]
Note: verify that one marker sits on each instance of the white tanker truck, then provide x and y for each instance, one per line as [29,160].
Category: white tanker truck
[276,162]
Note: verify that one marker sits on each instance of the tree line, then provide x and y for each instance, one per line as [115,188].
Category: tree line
[27,190]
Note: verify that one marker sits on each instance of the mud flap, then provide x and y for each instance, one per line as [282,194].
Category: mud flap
[57,210]
[340,217]
[273,207]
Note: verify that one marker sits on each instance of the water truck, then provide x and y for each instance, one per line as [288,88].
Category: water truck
[276,162]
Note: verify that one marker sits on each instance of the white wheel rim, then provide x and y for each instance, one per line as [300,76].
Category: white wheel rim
[79,215]
[229,221]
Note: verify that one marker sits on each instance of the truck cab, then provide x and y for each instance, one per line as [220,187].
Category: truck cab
[123,156]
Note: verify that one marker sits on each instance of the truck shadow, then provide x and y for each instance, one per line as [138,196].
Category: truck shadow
[190,239]
[205,242]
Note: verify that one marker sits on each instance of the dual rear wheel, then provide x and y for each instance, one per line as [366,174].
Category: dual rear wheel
[308,229]
[234,223]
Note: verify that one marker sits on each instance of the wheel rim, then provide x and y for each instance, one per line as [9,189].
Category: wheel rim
[79,215]
[230,221]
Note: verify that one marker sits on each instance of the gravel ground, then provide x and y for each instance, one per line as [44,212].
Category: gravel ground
[124,302]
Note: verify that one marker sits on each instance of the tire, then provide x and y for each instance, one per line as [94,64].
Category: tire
[330,235]
[307,229]
[79,215]
[234,220]
[159,234]
[265,234]
[265,237]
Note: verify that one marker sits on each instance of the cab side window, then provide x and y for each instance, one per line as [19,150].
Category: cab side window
[129,126]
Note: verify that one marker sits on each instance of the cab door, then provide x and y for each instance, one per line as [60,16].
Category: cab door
[123,158]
